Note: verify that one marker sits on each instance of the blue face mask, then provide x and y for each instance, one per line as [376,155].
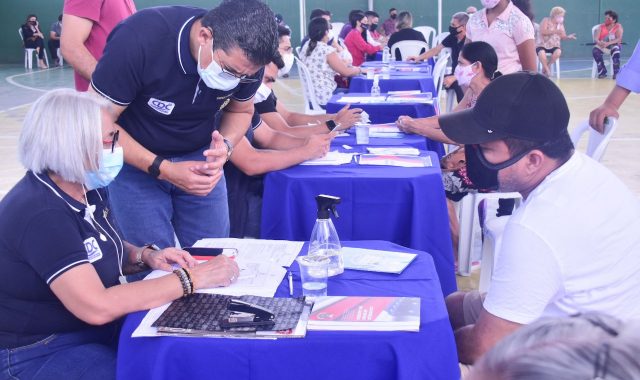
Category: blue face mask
[111,164]
[214,77]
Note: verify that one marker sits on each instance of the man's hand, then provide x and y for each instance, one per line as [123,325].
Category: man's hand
[347,117]
[216,155]
[190,176]
[318,145]
[412,58]
[598,115]
[407,124]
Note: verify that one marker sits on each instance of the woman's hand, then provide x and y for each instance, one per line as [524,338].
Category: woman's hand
[217,272]
[164,258]
[347,117]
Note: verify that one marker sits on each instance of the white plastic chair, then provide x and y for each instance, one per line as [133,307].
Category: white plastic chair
[337,27]
[428,32]
[297,49]
[438,76]
[408,48]
[557,65]
[594,66]
[597,143]
[60,58]
[311,105]
[596,147]
[28,53]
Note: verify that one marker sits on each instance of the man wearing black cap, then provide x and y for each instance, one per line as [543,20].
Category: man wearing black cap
[567,249]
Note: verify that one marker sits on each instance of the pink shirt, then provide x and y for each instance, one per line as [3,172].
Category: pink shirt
[508,30]
[105,15]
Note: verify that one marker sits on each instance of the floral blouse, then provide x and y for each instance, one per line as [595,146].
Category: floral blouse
[322,75]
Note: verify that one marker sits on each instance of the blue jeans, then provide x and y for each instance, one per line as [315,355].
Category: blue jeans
[89,354]
[149,210]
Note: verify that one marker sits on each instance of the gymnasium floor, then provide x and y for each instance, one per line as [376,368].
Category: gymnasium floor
[20,88]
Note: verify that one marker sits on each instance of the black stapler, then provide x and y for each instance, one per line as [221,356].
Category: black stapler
[245,314]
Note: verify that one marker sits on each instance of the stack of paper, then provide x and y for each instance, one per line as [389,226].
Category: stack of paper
[376,261]
[423,98]
[392,150]
[362,99]
[366,314]
[395,160]
[331,158]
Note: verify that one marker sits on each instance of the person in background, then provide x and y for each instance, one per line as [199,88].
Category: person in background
[509,30]
[87,25]
[346,28]
[333,42]
[280,21]
[166,96]
[323,61]
[580,249]
[373,35]
[551,33]
[389,25]
[317,13]
[405,32]
[608,40]
[596,345]
[355,41]
[454,41]
[471,10]
[62,253]
[33,38]
[628,80]
[54,40]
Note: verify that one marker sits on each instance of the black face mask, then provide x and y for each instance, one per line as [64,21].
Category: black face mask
[373,27]
[453,30]
[33,22]
[364,26]
[393,16]
[481,172]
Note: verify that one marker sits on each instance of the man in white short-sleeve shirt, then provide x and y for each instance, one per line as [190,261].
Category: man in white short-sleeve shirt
[567,249]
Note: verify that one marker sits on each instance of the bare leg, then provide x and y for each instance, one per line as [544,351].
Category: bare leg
[455,309]
[454,227]
[542,56]
[554,57]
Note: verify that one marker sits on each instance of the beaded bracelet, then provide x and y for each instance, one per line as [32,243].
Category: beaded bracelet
[187,286]
[190,277]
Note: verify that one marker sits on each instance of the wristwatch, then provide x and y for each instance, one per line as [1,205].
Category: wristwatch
[154,168]
[139,261]
[229,147]
[331,125]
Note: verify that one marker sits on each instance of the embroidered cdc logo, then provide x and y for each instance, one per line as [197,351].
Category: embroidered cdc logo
[161,106]
[94,253]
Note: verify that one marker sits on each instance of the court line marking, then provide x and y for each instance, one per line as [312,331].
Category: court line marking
[14,83]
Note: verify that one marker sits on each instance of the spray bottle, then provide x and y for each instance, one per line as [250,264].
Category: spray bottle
[324,238]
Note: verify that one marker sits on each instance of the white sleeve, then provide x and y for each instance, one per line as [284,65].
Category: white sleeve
[526,278]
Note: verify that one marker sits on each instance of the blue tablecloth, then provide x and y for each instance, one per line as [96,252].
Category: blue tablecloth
[378,64]
[385,112]
[402,205]
[348,355]
[414,141]
[400,82]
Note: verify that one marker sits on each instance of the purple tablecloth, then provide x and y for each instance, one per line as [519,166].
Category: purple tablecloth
[414,141]
[405,206]
[429,354]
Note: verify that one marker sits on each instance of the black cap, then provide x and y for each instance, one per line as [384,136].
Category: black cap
[523,105]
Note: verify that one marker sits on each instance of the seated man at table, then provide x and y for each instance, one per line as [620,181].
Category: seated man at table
[567,249]
[454,41]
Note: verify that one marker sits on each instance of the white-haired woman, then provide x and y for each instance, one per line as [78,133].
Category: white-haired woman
[551,34]
[61,254]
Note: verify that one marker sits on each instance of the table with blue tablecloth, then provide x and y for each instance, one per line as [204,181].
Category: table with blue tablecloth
[387,112]
[414,141]
[427,354]
[402,205]
[402,77]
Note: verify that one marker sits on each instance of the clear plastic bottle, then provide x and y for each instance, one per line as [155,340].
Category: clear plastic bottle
[324,239]
[386,55]
[375,88]
[386,72]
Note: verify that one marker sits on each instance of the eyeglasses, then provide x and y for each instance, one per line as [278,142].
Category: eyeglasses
[115,140]
[244,78]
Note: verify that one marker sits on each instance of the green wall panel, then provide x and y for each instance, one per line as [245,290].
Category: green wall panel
[581,16]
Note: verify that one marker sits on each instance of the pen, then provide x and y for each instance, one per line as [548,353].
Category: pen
[290,275]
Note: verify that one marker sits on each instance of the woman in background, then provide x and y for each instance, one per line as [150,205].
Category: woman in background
[551,33]
[34,39]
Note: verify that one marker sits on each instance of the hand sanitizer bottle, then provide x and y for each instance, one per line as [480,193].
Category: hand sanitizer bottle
[375,88]
[324,237]
[386,55]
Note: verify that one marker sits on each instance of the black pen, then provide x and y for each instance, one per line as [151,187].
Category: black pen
[290,275]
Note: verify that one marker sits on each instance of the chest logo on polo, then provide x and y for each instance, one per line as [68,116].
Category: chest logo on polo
[161,106]
[94,253]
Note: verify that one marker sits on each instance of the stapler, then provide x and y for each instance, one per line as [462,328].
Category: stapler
[245,314]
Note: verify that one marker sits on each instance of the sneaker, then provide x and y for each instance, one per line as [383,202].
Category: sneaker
[600,76]
[614,76]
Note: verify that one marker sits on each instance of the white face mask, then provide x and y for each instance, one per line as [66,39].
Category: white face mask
[111,165]
[288,64]
[330,34]
[489,4]
[214,77]
[262,94]
[464,74]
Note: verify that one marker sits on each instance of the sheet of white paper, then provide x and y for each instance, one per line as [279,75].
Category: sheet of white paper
[384,128]
[331,158]
[395,160]
[280,252]
[362,99]
[407,151]
[375,260]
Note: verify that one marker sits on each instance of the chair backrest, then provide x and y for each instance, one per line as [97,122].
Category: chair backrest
[597,143]
[297,49]
[408,48]
[594,32]
[21,35]
[429,34]
[439,38]
[311,105]
[337,27]
[438,72]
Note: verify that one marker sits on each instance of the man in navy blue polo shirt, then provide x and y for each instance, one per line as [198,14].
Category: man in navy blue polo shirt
[168,70]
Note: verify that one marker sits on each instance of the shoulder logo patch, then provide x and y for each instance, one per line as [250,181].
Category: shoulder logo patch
[94,253]
[161,106]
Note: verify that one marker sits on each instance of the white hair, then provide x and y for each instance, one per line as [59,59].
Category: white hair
[565,349]
[62,133]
